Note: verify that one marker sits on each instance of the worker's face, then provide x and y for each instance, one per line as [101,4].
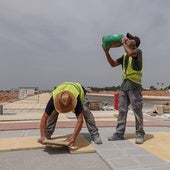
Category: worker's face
[131,43]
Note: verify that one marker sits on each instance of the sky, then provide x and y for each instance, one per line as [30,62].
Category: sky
[46,42]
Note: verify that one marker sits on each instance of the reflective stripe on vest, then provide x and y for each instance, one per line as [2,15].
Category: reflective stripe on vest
[129,72]
[75,88]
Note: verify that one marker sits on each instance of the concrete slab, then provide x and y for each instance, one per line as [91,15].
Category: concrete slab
[115,155]
[82,145]
[157,143]
[22,143]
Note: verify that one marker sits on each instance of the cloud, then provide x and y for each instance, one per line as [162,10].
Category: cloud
[43,43]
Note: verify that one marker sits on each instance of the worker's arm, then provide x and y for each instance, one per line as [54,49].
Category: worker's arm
[111,61]
[43,125]
[77,129]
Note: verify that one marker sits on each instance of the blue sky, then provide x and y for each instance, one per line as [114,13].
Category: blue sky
[43,43]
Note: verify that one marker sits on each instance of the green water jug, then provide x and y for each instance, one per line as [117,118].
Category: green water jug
[111,41]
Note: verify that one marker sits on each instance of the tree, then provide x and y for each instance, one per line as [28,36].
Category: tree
[152,87]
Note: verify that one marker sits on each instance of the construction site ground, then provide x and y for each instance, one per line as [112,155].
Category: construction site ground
[21,119]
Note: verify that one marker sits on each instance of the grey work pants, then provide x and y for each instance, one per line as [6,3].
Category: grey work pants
[133,97]
[88,116]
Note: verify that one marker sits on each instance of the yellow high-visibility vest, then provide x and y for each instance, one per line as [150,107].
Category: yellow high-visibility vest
[129,72]
[75,88]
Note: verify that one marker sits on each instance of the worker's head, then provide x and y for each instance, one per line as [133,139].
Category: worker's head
[65,102]
[134,39]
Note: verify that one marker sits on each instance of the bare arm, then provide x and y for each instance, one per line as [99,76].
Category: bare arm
[43,125]
[77,129]
[111,61]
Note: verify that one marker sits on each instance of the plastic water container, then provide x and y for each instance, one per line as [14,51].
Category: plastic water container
[111,41]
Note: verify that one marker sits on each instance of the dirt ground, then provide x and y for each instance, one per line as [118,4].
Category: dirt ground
[156,93]
[8,96]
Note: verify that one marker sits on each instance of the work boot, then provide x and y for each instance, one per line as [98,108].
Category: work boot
[97,140]
[115,136]
[139,139]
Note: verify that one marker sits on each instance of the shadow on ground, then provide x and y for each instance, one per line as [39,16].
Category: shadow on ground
[133,135]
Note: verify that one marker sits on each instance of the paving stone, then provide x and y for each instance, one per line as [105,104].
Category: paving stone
[82,145]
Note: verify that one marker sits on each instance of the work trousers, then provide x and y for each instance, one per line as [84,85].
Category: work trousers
[88,116]
[133,97]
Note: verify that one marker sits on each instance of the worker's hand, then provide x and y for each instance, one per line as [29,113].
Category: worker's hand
[105,50]
[71,140]
[41,140]
[124,40]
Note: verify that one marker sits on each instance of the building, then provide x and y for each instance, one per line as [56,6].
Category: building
[27,91]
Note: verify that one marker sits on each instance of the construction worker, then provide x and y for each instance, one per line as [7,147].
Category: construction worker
[68,97]
[131,87]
